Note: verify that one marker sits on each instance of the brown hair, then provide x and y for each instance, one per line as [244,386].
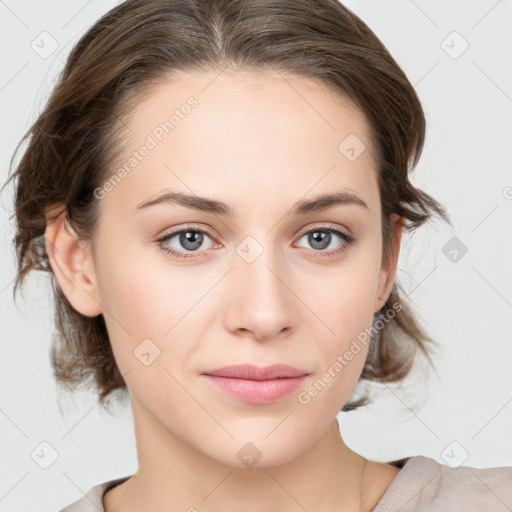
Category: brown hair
[141,42]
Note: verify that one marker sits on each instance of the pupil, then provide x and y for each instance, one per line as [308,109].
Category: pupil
[319,238]
[191,237]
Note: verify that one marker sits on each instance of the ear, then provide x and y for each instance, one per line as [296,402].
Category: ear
[388,269]
[72,264]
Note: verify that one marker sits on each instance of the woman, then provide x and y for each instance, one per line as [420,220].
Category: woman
[219,189]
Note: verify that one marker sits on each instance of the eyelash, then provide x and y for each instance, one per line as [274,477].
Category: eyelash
[346,238]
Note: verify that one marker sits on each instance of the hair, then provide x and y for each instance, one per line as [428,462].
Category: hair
[138,43]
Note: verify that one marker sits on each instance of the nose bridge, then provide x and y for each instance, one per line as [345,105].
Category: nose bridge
[259,265]
[261,298]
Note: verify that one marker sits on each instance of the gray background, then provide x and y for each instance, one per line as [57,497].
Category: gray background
[461,415]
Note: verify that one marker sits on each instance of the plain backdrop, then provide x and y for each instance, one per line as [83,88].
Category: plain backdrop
[457,54]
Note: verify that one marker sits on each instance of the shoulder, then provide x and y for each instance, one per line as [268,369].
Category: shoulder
[93,500]
[425,484]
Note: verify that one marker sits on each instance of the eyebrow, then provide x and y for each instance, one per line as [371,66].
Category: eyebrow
[302,207]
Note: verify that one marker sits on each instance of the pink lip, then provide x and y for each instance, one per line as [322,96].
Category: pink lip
[256,385]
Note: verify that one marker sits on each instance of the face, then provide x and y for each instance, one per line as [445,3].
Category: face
[185,291]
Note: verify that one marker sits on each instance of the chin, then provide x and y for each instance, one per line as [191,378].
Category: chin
[261,451]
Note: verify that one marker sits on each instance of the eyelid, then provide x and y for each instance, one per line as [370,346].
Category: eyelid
[191,227]
[183,255]
[346,237]
[211,233]
[326,226]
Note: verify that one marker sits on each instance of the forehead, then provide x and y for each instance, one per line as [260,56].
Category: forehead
[232,97]
[247,131]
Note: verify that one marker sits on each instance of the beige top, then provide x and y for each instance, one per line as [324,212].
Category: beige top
[422,485]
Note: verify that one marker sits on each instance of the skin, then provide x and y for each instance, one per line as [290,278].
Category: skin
[258,142]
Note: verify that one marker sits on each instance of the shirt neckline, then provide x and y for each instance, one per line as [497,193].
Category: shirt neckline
[398,463]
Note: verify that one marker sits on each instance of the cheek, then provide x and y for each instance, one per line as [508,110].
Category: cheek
[127,291]
[135,308]
[132,289]
[346,307]
[345,299]
[150,307]
[343,349]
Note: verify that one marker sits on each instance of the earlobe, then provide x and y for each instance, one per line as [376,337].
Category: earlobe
[71,261]
[388,270]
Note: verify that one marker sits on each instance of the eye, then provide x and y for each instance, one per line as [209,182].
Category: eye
[321,238]
[189,238]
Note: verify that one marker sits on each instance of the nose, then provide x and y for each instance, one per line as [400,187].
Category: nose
[262,302]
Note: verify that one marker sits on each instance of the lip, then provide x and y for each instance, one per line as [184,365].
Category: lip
[257,385]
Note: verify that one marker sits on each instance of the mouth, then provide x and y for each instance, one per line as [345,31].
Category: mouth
[252,384]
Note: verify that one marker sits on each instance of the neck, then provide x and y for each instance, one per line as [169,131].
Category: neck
[174,476]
